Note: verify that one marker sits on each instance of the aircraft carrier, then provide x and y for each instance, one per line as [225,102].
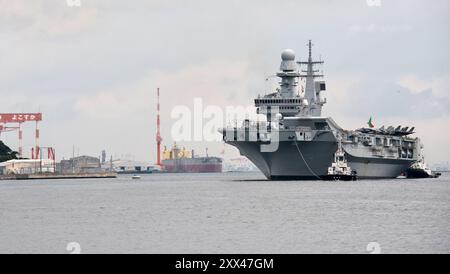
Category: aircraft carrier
[296,143]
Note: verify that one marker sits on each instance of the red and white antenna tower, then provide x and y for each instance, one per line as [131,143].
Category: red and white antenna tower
[158,135]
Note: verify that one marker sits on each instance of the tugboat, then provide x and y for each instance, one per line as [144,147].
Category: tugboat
[339,169]
[420,170]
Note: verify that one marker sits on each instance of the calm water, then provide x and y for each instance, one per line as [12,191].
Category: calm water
[225,213]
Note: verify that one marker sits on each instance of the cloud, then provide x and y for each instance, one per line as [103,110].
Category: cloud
[217,82]
[76,22]
[372,28]
[46,17]
[439,85]
[388,100]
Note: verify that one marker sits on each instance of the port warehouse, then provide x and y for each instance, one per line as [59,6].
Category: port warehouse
[129,166]
[81,164]
[27,166]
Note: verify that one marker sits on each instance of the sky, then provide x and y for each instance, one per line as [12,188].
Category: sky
[93,69]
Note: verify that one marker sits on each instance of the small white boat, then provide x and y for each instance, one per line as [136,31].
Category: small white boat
[339,169]
[136,177]
[402,176]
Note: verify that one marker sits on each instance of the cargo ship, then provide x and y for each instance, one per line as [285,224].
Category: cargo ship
[180,160]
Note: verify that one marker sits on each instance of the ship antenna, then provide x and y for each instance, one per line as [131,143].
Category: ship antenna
[310,47]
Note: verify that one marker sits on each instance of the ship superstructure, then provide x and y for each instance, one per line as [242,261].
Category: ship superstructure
[306,142]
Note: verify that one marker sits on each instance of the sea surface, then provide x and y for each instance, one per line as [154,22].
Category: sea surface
[224,213]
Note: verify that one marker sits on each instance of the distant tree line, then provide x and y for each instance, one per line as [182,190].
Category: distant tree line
[6,153]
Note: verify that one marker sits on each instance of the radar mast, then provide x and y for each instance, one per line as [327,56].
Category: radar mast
[313,89]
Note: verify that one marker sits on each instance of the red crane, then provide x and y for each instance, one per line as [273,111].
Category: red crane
[19,118]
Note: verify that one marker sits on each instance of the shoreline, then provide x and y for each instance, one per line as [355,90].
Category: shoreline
[59,176]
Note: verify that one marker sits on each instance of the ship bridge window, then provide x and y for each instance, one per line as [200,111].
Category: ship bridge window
[321,125]
[378,141]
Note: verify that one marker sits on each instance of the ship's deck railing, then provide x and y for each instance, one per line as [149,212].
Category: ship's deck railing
[250,124]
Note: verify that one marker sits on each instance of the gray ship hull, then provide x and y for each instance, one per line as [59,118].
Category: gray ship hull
[287,162]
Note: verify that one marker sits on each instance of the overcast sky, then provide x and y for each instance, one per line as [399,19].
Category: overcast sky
[93,70]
